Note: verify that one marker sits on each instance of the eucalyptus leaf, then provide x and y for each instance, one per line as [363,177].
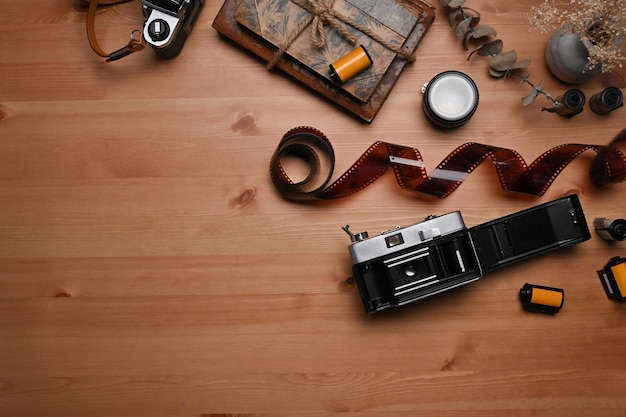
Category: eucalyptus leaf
[520,65]
[496,74]
[481,31]
[491,48]
[475,12]
[466,39]
[476,50]
[530,98]
[477,33]
[503,61]
[453,16]
[454,3]
[463,27]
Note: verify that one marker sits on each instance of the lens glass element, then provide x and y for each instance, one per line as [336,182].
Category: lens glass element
[452,97]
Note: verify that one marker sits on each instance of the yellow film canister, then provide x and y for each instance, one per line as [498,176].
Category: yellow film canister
[613,278]
[541,299]
[350,65]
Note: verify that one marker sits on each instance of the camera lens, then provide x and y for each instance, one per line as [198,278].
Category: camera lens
[409,271]
[413,271]
[450,99]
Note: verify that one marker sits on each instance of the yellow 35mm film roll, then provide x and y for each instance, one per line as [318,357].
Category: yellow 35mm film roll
[541,299]
[619,274]
[546,297]
[613,278]
[350,65]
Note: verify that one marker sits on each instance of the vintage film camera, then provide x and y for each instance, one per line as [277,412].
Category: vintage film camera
[168,23]
[410,263]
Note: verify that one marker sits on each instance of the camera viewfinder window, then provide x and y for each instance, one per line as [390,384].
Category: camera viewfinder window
[394,240]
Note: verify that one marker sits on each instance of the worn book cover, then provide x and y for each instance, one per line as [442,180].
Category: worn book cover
[405,21]
[278,20]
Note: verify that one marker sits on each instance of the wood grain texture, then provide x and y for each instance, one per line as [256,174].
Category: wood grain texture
[148,266]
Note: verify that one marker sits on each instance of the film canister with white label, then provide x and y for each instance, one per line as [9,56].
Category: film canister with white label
[613,278]
[450,99]
[350,65]
[541,299]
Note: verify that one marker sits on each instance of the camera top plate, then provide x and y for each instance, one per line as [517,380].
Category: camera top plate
[401,238]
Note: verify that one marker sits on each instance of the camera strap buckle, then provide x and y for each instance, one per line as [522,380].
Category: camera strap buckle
[135,44]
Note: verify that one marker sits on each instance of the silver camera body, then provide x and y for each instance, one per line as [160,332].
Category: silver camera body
[409,263]
[169,23]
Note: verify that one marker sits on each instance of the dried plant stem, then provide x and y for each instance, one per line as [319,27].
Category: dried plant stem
[502,64]
[524,78]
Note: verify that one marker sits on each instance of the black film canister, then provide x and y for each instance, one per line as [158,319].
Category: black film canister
[541,299]
[609,229]
[607,100]
[571,103]
[613,278]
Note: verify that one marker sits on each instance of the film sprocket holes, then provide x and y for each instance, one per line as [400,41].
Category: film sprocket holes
[410,263]
[168,23]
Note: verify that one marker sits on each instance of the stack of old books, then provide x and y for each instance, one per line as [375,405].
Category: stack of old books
[284,34]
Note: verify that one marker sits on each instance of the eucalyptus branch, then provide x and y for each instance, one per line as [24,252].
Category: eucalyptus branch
[502,64]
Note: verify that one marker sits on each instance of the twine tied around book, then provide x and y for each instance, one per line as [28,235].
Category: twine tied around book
[322,14]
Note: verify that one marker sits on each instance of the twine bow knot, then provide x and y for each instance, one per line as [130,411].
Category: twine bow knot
[321,14]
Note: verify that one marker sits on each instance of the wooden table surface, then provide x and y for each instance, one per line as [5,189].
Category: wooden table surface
[148,266]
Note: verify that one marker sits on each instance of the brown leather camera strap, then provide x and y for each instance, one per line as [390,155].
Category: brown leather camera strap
[312,146]
[134,44]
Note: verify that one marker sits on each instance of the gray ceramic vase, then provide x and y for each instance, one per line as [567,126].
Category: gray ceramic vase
[566,56]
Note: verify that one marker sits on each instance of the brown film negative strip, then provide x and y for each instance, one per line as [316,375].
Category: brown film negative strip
[313,147]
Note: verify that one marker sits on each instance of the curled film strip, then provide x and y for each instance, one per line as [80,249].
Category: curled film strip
[313,147]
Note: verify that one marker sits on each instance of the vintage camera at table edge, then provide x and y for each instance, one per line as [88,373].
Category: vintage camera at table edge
[410,263]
